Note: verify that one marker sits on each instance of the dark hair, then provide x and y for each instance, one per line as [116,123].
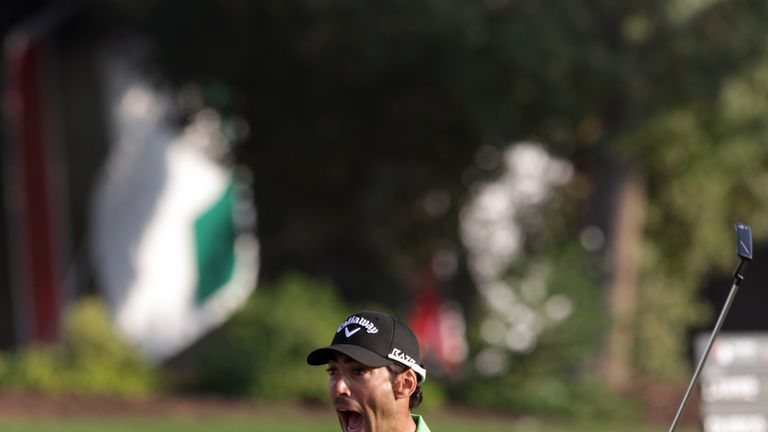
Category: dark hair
[416,396]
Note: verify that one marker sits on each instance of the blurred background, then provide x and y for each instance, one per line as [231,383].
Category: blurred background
[196,193]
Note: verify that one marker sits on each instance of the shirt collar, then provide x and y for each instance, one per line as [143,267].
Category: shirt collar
[421,425]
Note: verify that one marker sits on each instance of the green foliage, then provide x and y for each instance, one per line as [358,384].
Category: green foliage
[360,110]
[261,351]
[556,377]
[435,395]
[706,177]
[552,397]
[91,360]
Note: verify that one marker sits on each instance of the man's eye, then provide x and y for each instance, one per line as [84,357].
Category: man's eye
[331,371]
[360,371]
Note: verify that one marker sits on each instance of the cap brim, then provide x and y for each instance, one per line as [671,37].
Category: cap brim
[362,355]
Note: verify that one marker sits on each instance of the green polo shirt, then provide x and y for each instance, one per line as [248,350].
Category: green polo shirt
[421,425]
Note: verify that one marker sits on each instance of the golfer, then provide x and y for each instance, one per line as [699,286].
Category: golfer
[374,374]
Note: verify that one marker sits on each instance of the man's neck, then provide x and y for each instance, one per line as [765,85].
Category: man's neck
[409,424]
[403,423]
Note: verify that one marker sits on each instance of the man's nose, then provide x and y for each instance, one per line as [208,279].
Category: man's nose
[338,387]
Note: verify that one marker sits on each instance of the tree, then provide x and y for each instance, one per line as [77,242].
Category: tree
[359,112]
[635,92]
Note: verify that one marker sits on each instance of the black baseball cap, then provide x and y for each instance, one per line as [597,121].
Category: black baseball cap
[374,339]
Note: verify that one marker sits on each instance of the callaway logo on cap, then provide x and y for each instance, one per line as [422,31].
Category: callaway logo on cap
[373,339]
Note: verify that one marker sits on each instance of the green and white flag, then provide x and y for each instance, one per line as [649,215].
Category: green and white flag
[172,232]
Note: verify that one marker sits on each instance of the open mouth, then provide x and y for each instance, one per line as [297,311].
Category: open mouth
[351,421]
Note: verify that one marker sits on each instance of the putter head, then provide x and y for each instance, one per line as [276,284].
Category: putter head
[744,241]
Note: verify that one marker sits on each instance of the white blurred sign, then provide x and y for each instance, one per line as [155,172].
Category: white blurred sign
[734,383]
[172,235]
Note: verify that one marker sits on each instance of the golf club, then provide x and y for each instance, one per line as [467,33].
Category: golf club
[744,250]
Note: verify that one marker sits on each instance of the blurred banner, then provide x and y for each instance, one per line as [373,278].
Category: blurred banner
[172,234]
[34,181]
[734,383]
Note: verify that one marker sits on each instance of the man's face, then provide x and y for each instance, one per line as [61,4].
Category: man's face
[362,396]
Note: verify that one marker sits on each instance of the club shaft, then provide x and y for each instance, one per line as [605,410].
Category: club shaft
[700,366]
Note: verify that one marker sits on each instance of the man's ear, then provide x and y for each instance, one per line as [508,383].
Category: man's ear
[405,384]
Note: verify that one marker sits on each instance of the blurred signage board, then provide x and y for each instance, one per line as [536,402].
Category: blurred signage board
[734,382]
[35,194]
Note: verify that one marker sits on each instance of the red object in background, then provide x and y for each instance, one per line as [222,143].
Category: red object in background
[424,319]
[33,217]
[440,329]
